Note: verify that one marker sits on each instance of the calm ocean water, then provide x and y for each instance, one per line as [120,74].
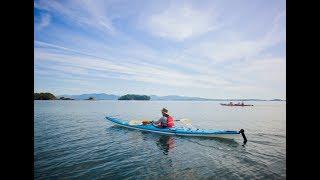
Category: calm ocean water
[72,140]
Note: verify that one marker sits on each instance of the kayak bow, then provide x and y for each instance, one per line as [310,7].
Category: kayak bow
[180,131]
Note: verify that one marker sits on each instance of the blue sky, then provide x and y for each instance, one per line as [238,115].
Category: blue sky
[212,49]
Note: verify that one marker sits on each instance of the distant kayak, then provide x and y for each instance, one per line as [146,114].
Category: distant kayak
[179,131]
[236,104]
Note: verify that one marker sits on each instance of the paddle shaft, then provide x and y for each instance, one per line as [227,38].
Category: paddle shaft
[174,120]
[187,121]
[179,119]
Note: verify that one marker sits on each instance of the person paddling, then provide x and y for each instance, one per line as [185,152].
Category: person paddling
[166,121]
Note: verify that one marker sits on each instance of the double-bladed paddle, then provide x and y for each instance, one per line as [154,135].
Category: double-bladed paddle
[140,122]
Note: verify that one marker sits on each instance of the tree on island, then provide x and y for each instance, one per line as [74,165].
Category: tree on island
[276,100]
[63,98]
[44,96]
[134,97]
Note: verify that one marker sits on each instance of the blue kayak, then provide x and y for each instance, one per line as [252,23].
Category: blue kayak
[179,130]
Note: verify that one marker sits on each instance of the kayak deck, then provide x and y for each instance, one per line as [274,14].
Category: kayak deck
[177,130]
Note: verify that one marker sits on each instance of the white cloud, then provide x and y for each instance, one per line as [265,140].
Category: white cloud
[180,21]
[236,64]
[221,51]
[251,75]
[44,21]
[237,49]
[133,70]
[278,30]
[82,12]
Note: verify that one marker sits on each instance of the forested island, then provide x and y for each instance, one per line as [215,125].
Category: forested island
[48,96]
[134,97]
[65,98]
[44,96]
[91,99]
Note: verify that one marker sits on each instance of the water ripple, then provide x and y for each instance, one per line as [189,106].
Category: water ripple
[73,141]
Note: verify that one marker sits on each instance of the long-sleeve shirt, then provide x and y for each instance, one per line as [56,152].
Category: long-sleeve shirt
[163,120]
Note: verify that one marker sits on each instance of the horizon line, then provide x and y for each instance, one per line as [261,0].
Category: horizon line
[168,95]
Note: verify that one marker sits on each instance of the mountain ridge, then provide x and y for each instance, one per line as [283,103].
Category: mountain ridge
[104,96]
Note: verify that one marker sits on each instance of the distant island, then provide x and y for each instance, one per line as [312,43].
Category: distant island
[134,97]
[97,96]
[91,98]
[277,100]
[48,96]
[63,98]
[44,96]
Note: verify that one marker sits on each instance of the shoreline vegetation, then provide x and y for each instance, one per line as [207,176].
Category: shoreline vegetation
[134,97]
[63,98]
[44,96]
[128,97]
[91,99]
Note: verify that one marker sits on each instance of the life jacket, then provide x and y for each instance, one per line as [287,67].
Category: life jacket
[170,122]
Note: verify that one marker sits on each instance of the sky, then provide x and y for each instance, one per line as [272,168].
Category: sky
[210,49]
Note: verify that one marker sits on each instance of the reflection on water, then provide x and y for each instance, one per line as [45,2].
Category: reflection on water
[166,143]
[202,141]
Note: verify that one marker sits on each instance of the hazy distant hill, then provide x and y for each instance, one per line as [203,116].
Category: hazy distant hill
[277,100]
[176,98]
[185,98]
[103,96]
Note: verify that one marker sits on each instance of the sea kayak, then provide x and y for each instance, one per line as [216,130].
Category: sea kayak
[179,130]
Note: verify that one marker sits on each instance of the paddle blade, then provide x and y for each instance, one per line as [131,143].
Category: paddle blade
[139,122]
[135,122]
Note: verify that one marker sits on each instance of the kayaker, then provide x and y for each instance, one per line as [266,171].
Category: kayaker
[166,121]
